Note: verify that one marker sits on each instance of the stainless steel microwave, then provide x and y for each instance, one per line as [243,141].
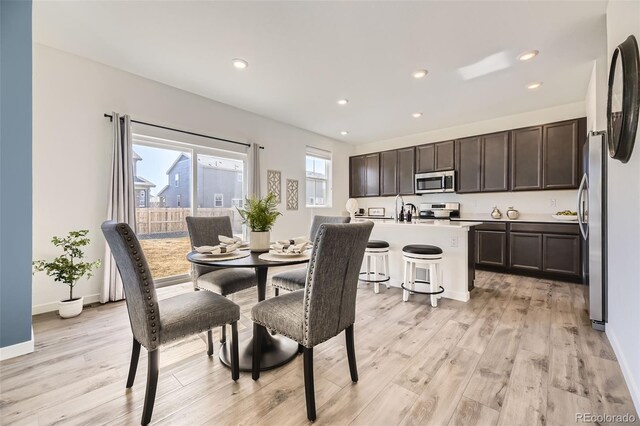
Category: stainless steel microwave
[435,182]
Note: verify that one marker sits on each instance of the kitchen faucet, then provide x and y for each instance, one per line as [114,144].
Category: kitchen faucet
[396,214]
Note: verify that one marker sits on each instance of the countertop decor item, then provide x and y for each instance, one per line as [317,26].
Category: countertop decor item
[496,213]
[352,207]
[260,215]
[375,211]
[69,268]
[512,213]
[623,100]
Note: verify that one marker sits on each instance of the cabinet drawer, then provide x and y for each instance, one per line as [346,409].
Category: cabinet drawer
[489,226]
[546,228]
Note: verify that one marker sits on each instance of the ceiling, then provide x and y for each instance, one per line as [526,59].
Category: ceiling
[304,56]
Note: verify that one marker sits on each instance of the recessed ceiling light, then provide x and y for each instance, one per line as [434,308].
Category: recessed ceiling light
[416,115]
[525,56]
[343,101]
[240,63]
[419,73]
[532,86]
[344,133]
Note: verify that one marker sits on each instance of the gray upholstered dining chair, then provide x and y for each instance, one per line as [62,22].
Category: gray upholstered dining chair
[325,307]
[157,322]
[204,231]
[294,279]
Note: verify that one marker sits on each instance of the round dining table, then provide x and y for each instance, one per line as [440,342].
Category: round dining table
[276,350]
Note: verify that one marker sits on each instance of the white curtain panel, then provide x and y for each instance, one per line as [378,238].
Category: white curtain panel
[254,170]
[121,201]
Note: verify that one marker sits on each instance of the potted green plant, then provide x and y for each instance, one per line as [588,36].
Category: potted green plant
[260,214]
[69,268]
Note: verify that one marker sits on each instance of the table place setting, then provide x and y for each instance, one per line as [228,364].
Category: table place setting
[288,249]
[231,248]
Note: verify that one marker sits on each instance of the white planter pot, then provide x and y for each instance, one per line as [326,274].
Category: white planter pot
[259,242]
[70,308]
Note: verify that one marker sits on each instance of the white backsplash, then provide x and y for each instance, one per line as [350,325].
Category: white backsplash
[530,202]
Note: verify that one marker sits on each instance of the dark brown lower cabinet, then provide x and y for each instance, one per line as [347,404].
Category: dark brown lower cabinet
[561,254]
[491,248]
[542,249]
[525,251]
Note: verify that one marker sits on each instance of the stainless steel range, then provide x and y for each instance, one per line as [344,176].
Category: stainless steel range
[443,211]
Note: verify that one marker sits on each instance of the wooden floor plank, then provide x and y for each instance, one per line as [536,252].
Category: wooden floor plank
[526,399]
[472,413]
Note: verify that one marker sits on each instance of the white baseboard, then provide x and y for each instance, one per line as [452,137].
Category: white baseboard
[17,349]
[53,306]
[625,367]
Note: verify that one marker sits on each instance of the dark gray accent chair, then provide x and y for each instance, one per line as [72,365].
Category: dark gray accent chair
[295,279]
[204,231]
[325,307]
[157,322]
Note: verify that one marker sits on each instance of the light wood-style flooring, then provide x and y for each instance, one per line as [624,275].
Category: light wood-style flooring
[521,352]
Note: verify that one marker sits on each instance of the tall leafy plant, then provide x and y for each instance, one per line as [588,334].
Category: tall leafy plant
[260,214]
[69,267]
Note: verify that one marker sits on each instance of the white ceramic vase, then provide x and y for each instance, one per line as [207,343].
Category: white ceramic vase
[259,242]
[70,308]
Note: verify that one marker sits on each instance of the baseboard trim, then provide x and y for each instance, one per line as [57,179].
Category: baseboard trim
[18,349]
[624,366]
[53,306]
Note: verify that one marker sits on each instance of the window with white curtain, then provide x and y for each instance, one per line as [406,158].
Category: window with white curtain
[318,182]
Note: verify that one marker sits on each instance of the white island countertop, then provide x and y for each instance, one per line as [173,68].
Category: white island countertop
[436,224]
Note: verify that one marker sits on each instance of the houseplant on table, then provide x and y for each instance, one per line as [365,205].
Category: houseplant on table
[69,268]
[260,214]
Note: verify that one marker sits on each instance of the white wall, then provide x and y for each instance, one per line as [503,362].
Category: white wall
[72,151]
[623,330]
[530,202]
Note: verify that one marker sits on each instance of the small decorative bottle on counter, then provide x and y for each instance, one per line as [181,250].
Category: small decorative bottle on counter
[512,213]
[496,213]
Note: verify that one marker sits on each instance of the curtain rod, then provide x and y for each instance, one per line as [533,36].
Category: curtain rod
[110,117]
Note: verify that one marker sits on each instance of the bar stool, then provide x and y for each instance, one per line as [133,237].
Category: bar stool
[378,251]
[422,256]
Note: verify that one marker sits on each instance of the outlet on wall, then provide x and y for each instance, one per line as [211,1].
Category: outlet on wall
[552,202]
[454,241]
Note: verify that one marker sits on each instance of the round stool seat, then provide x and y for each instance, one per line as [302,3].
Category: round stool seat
[377,244]
[422,249]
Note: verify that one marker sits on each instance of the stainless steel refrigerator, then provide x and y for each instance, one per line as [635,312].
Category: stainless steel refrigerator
[592,218]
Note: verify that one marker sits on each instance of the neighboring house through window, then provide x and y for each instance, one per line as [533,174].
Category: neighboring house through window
[177,180]
[218,200]
[178,200]
[318,182]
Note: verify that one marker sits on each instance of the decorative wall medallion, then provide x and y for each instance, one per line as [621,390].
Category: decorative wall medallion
[292,194]
[274,184]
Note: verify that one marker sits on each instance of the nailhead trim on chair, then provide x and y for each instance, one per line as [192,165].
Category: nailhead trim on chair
[307,289]
[144,277]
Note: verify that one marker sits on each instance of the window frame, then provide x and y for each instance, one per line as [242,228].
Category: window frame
[193,149]
[328,157]
[215,200]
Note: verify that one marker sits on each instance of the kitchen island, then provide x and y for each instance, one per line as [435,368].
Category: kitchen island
[453,237]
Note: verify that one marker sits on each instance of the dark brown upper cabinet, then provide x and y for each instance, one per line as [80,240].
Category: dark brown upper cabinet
[495,162]
[406,171]
[435,157]
[526,159]
[397,170]
[425,158]
[357,176]
[364,175]
[389,173]
[372,174]
[560,155]
[482,163]
[445,156]
[468,164]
